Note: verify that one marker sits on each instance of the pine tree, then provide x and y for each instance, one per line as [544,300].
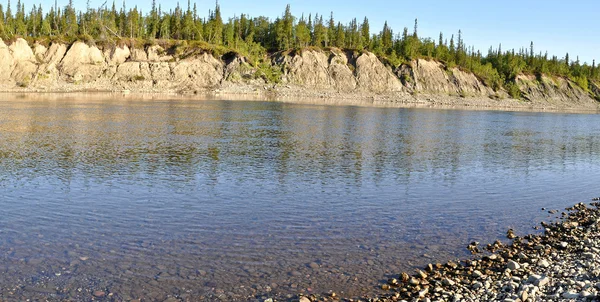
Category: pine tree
[415,30]
[320,33]
[340,36]
[386,38]
[71,27]
[9,23]
[330,31]
[153,21]
[188,23]
[229,33]
[288,28]
[302,33]
[20,26]
[216,26]
[365,32]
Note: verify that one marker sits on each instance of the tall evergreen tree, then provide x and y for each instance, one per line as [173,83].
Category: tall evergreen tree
[9,21]
[331,29]
[302,33]
[415,30]
[365,32]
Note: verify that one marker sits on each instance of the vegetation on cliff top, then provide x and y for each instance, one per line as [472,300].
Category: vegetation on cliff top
[253,37]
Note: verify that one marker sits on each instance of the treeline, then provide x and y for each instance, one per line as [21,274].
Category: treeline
[254,36]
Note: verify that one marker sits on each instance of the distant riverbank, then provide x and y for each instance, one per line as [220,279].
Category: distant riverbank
[302,96]
[329,76]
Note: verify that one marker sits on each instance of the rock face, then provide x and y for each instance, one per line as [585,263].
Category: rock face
[60,67]
[338,71]
[550,89]
[309,69]
[425,76]
[82,63]
[24,62]
[372,75]
[7,63]
[202,71]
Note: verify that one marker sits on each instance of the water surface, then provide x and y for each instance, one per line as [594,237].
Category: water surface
[231,200]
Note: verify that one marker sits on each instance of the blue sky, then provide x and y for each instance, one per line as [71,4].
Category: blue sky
[556,26]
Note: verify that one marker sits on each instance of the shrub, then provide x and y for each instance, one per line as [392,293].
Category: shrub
[513,90]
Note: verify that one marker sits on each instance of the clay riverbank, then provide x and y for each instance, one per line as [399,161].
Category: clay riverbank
[332,76]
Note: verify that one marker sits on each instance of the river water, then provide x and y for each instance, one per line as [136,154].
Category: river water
[137,198]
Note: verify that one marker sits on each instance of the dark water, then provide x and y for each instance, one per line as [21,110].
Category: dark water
[227,200]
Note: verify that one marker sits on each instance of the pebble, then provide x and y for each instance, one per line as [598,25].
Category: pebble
[512,265]
[543,263]
[99,293]
[559,264]
[570,295]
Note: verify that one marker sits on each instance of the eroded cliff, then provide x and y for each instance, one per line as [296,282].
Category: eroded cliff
[60,67]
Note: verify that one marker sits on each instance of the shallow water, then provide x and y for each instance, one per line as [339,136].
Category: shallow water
[209,199]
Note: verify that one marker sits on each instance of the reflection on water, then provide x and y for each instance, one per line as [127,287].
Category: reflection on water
[218,199]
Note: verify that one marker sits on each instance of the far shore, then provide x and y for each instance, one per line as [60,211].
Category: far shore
[298,95]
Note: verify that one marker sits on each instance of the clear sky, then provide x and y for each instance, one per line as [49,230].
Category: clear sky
[554,26]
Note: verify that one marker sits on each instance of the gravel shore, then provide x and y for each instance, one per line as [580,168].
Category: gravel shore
[560,264]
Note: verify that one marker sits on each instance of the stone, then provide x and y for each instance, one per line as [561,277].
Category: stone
[304,299]
[448,282]
[570,295]
[99,293]
[543,263]
[512,265]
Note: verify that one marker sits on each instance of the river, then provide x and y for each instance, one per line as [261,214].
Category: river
[137,198]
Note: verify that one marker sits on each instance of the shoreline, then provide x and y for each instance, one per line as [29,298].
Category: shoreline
[297,95]
[560,264]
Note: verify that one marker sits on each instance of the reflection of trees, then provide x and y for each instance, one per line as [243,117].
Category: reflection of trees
[205,140]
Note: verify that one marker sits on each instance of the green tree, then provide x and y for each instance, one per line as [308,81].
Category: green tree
[2,21]
[20,26]
[340,36]
[365,32]
[302,33]
[70,20]
[330,31]
[164,30]
[287,28]
[214,29]
[386,38]
[188,24]
[320,32]
[153,21]
[229,34]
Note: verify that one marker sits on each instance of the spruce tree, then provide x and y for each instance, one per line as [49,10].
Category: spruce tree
[330,31]
[386,38]
[9,23]
[340,36]
[366,32]
[415,30]
[288,28]
[302,33]
[70,20]
[20,26]
[2,29]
